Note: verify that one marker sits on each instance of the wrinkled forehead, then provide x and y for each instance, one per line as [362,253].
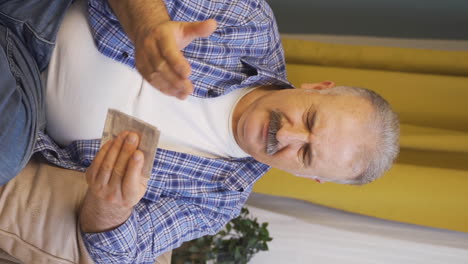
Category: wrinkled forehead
[345,136]
[344,157]
[350,103]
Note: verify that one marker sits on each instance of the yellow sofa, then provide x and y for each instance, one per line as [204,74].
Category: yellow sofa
[428,185]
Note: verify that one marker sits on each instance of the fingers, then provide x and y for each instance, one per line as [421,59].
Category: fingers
[159,63]
[200,29]
[93,170]
[171,44]
[134,180]
[159,57]
[170,84]
[129,146]
[170,47]
[171,53]
[107,166]
[115,174]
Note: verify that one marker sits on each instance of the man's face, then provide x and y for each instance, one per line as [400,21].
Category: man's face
[311,133]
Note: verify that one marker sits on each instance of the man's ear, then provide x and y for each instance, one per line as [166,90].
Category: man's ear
[318,180]
[315,178]
[318,86]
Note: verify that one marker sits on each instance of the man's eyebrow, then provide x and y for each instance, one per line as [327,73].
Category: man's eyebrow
[311,122]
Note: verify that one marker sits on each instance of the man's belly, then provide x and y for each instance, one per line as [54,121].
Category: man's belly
[81,83]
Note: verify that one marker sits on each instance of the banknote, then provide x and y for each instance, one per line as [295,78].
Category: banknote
[117,122]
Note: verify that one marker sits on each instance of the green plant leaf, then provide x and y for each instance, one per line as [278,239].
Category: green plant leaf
[237,254]
[236,243]
[193,249]
[251,242]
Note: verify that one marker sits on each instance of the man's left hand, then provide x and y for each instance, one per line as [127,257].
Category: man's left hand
[115,184]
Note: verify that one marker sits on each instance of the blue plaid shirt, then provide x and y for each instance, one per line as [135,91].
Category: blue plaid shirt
[187,196]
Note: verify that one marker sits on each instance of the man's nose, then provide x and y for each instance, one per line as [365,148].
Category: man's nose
[292,135]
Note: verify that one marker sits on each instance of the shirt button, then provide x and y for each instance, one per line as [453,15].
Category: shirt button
[125,54]
[211,92]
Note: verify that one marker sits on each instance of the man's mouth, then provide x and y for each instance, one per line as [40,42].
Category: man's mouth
[275,124]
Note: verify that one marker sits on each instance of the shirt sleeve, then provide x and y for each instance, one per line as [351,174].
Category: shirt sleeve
[109,36]
[103,7]
[153,229]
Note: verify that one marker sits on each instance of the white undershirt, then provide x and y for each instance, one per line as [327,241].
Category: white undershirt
[81,84]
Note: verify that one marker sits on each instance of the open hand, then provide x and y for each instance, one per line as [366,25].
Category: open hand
[159,58]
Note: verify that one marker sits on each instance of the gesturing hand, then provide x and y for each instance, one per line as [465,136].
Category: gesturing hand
[159,58]
[115,184]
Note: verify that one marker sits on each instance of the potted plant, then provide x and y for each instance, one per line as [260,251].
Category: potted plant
[240,239]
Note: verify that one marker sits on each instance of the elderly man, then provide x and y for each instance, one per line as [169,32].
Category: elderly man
[211,150]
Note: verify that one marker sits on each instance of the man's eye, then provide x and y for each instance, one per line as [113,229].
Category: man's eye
[308,123]
[305,150]
[311,121]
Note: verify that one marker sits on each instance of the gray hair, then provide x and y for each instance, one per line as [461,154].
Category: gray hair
[387,128]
